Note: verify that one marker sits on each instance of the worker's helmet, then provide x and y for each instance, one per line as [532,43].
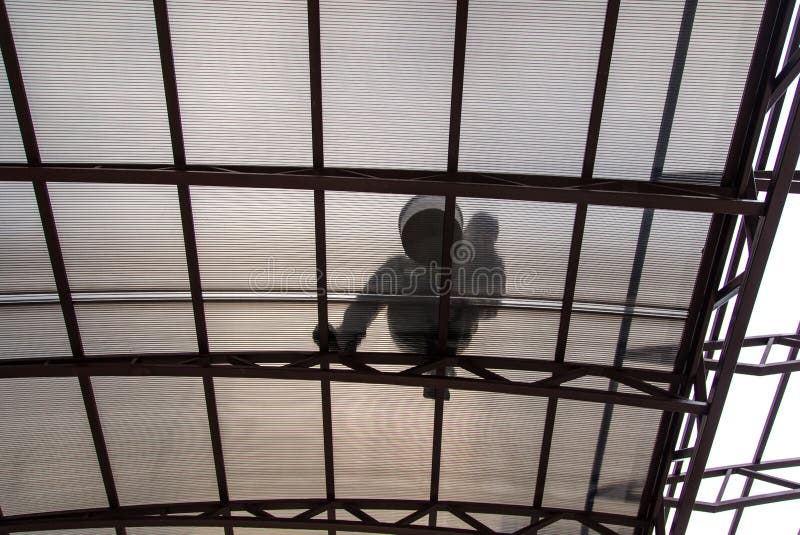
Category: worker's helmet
[421,224]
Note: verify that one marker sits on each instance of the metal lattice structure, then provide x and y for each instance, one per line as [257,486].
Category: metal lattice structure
[676,388]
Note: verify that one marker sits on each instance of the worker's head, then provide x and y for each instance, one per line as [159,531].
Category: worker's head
[482,230]
[421,224]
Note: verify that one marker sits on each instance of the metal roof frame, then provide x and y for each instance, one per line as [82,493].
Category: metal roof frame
[733,200]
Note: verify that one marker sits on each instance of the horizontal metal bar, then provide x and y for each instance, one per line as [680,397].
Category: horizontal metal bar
[301,296]
[736,503]
[163,511]
[760,370]
[89,367]
[769,478]
[789,339]
[481,185]
[763,178]
[763,465]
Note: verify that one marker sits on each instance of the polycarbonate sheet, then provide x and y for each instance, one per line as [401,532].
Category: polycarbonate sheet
[156,430]
[247,102]
[720,48]
[255,240]
[47,457]
[672,250]
[490,445]
[120,236]
[651,342]
[25,265]
[176,530]
[262,326]
[93,79]
[108,328]
[528,85]
[32,331]
[628,448]
[532,242]
[11,149]
[382,437]
[515,332]
[386,82]
[272,438]
[720,52]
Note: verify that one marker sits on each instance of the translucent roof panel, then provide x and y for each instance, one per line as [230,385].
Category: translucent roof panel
[247,102]
[668,268]
[47,458]
[386,82]
[32,331]
[255,240]
[25,265]
[271,437]
[651,342]
[489,446]
[382,440]
[118,237]
[263,326]
[533,241]
[628,448]
[508,332]
[93,78]
[156,430]
[719,53]
[146,327]
[528,85]
[11,149]
[176,530]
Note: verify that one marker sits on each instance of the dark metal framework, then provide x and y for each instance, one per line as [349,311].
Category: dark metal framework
[685,400]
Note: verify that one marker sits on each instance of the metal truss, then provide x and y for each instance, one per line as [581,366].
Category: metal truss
[270,514]
[679,393]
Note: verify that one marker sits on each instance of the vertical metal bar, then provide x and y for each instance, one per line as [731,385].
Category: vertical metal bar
[190,240]
[315,78]
[44,205]
[457,92]
[17,86]
[756,265]
[170,83]
[662,143]
[777,398]
[764,64]
[578,226]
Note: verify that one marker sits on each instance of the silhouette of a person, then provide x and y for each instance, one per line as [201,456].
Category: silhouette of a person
[410,283]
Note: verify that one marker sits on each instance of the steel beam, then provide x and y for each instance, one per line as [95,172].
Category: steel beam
[270,514]
[776,198]
[543,188]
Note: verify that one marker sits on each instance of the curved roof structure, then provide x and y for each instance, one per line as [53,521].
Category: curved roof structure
[209,322]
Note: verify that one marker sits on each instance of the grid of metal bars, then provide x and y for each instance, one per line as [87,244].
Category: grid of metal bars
[734,198]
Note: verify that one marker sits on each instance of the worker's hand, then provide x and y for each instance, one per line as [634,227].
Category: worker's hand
[333,343]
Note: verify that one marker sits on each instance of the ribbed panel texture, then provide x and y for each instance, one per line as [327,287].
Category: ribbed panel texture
[272,438]
[261,326]
[533,243]
[528,85]
[175,530]
[47,459]
[515,333]
[624,468]
[93,79]
[11,149]
[651,342]
[668,267]
[136,327]
[32,331]
[156,430]
[247,102]
[120,237]
[90,531]
[382,437]
[708,99]
[257,240]
[25,265]
[386,81]
[489,447]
